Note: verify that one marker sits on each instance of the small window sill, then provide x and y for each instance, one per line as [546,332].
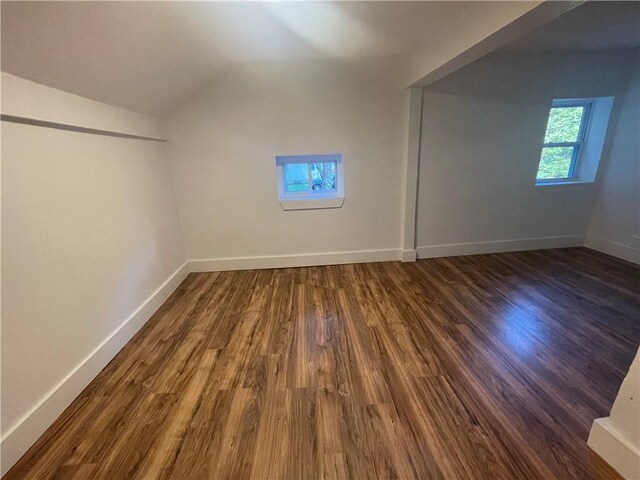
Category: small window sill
[311,203]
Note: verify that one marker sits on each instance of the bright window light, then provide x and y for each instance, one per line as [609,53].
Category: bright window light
[310,181]
[563,140]
[310,177]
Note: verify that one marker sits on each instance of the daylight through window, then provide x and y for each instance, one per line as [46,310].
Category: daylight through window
[563,140]
[310,181]
[312,176]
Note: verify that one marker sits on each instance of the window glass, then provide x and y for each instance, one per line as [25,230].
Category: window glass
[310,179]
[296,177]
[323,176]
[573,140]
[556,162]
[564,124]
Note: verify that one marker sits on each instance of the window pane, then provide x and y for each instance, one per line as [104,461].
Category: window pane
[555,162]
[323,176]
[564,124]
[296,177]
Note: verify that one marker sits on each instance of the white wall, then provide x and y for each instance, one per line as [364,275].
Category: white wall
[616,438]
[90,232]
[24,98]
[615,222]
[223,143]
[482,133]
[472,30]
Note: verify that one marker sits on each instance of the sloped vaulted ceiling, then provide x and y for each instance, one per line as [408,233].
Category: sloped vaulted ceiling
[149,56]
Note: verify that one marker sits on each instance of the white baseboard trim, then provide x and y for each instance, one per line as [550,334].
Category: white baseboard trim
[497,246]
[612,248]
[287,261]
[24,433]
[614,449]
[409,255]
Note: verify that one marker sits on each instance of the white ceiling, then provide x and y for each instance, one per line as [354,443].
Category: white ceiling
[149,56]
[591,26]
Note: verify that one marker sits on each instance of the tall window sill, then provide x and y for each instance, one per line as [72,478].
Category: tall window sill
[310,203]
[573,187]
[563,182]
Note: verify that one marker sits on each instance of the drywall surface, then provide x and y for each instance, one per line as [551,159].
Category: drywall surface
[90,231]
[223,143]
[615,221]
[482,134]
[486,19]
[151,55]
[24,98]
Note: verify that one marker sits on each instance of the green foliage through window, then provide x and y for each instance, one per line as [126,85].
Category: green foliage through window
[562,141]
[564,124]
[555,162]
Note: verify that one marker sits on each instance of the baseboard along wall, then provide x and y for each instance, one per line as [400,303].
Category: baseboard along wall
[288,261]
[614,448]
[614,249]
[24,433]
[497,246]
[19,438]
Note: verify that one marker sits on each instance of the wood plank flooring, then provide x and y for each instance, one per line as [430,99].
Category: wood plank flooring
[487,366]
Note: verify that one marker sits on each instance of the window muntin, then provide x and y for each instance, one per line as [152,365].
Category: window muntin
[563,141]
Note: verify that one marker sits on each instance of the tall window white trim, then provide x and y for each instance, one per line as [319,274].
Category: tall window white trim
[588,145]
[577,145]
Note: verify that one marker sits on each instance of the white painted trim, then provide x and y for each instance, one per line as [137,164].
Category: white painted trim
[614,449]
[562,185]
[614,249]
[309,203]
[409,256]
[27,99]
[412,169]
[24,433]
[590,141]
[287,261]
[497,246]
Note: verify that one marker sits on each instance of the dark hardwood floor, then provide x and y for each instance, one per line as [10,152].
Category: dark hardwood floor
[487,366]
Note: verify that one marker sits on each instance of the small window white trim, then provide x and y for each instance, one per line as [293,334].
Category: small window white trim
[310,200]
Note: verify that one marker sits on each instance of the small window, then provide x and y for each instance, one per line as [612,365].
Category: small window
[310,181]
[310,177]
[563,140]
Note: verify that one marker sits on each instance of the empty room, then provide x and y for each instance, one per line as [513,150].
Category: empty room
[332,240]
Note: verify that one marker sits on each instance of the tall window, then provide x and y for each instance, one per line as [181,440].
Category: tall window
[563,140]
